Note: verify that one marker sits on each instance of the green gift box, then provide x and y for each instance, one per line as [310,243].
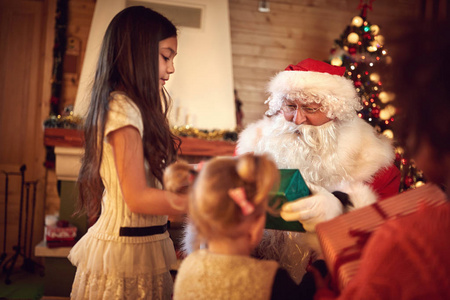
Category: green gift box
[292,186]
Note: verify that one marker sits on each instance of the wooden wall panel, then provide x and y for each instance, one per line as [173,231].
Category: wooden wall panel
[22,55]
[265,43]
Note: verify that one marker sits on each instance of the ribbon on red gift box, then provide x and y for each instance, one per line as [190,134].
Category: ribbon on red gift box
[355,250]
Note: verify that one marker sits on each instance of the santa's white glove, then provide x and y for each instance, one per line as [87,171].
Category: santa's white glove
[312,210]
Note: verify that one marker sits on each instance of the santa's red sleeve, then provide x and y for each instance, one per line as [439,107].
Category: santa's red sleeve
[386,182]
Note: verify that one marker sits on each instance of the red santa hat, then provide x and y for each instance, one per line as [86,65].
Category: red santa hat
[315,81]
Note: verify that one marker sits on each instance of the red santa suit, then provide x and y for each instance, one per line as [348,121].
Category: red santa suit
[345,154]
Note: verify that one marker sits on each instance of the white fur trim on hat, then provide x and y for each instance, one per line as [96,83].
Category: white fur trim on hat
[336,93]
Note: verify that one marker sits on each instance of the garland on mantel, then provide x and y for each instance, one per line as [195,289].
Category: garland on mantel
[67,121]
[211,135]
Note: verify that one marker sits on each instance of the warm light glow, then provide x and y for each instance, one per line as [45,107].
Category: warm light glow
[384,114]
[399,150]
[388,133]
[374,77]
[337,61]
[357,21]
[353,38]
[375,29]
[384,52]
[384,97]
[391,109]
[371,64]
[371,49]
[419,184]
[352,67]
[379,39]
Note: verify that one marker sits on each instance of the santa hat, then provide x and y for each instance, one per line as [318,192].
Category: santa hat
[315,81]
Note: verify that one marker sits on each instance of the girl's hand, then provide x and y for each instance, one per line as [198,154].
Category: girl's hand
[178,202]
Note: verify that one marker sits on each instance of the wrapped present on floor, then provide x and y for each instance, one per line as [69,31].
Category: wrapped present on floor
[343,238]
[292,186]
[61,234]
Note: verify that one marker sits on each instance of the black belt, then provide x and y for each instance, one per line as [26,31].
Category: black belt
[142,231]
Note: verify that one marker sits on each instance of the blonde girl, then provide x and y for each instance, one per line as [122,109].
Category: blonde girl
[227,206]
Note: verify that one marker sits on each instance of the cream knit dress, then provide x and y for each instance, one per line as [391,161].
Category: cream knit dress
[110,266]
[204,275]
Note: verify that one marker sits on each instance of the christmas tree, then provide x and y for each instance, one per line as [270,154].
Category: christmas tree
[360,49]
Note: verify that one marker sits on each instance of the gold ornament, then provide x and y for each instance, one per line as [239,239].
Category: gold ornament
[353,38]
[374,29]
[357,21]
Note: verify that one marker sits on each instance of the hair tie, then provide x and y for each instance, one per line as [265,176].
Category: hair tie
[192,175]
[238,196]
[198,167]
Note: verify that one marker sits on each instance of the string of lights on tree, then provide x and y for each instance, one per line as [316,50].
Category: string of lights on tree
[360,49]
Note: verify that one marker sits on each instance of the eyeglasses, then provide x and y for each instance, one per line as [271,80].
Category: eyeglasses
[291,107]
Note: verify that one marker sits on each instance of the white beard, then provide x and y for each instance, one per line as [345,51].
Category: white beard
[311,149]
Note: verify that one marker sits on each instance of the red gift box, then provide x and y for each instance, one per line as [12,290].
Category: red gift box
[343,238]
[60,234]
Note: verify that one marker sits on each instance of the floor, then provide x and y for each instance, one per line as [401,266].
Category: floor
[23,285]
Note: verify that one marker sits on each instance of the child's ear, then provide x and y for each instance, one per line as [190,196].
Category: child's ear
[257,229]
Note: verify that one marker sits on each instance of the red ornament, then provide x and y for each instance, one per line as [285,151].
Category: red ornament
[408,181]
[358,83]
[352,50]
[367,36]
[376,112]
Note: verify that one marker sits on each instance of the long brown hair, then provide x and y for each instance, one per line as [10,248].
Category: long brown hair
[128,62]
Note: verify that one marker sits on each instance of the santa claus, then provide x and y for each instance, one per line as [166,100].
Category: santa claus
[312,125]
